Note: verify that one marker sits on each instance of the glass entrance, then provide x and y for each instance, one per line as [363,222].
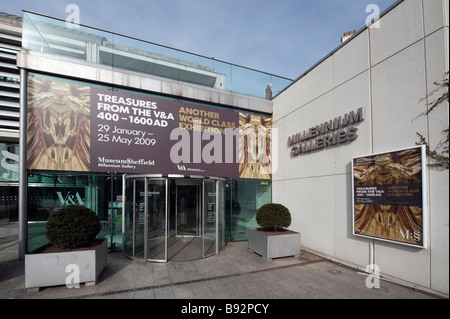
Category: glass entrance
[172,219]
[145,223]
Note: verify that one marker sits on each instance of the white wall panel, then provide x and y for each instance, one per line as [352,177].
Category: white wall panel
[349,248]
[350,96]
[321,234]
[437,64]
[398,29]
[439,230]
[434,15]
[398,92]
[319,80]
[290,100]
[352,59]
[403,262]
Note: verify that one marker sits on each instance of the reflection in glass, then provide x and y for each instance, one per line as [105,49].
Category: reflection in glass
[188,210]
[156,204]
[243,199]
[51,36]
[209,218]
[50,191]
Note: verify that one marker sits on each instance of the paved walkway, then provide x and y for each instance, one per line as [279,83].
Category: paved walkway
[236,273]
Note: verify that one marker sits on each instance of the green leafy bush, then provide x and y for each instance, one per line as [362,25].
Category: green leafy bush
[73,227]
[273,217]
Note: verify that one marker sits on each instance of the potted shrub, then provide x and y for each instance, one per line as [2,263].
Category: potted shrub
[73,254]
[273,239]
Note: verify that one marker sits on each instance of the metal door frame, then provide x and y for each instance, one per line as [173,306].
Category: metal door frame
[205,215]
[147,179]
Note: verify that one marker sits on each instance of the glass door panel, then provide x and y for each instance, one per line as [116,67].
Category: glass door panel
[188,210]
[128,231]
[156,235]
[209,218]
[185,241]
[145,218]
[139,219]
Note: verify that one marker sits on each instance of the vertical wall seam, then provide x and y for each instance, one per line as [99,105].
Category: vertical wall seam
[371,241]
[427,119]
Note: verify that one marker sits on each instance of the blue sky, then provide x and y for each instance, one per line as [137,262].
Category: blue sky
[284,37]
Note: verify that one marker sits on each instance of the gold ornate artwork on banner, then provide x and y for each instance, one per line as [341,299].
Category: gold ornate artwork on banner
[254,156]
[388,196]
[58,125]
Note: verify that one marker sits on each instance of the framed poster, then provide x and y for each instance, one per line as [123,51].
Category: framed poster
[389,196]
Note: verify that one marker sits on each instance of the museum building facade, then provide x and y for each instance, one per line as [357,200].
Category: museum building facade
[136,132]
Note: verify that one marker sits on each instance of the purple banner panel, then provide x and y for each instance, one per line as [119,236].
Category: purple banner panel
[130,133]
[133,133]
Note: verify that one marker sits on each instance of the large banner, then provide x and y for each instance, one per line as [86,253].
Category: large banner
[389,196]
[76,127]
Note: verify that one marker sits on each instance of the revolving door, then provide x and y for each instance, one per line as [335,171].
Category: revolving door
[172,219]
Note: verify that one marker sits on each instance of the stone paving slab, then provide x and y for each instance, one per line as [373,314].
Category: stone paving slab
[236,273]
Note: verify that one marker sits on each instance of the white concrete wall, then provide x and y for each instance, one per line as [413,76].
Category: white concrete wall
[389,71]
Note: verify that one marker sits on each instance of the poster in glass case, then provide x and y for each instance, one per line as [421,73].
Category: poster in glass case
[389,196]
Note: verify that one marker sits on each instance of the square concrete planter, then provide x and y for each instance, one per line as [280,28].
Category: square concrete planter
[274,245]
[51,269]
